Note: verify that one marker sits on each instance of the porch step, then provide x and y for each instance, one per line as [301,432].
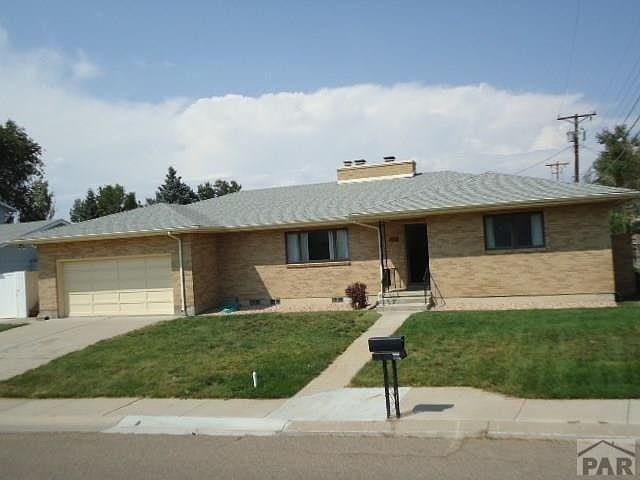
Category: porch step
[406,293]
[405,307]
[407,297]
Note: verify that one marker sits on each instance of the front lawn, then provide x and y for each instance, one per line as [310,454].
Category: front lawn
[8,326]
[578,353]
[200,357]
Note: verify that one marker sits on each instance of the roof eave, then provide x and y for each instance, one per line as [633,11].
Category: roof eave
[108,236]
[338,221]
[498,206]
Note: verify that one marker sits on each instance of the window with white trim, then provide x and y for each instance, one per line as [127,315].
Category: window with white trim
[514,230]
[317,246]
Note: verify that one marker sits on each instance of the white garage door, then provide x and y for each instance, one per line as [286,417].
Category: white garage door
[119,286]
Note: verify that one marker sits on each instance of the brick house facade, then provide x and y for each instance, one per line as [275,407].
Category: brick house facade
[465,240]
[574,267]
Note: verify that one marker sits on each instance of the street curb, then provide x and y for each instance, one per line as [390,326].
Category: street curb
[459,429]
[223,426]
[392,428]
[240,426]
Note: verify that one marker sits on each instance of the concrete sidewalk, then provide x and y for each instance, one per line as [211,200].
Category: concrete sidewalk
[97,414]
[426,412]
[459,412]
[347,365]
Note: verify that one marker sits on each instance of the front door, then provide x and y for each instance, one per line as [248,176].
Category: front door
[417,253]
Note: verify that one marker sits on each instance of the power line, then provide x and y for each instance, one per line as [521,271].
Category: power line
[617,69]
[542,161]
[571,55]
[633,107]
[582,145]
[634,124]
[621,101]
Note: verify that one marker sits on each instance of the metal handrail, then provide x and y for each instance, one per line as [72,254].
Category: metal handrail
[435,288]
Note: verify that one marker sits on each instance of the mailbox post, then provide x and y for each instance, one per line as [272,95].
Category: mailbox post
[391,349]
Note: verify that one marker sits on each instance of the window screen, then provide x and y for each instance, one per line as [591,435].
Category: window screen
[517,230]
[317,246]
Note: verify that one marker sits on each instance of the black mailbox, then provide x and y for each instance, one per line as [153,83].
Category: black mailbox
[389,349]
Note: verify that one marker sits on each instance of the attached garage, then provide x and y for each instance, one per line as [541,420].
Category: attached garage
[118,286]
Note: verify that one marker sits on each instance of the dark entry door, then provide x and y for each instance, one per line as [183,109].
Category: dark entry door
[417,252]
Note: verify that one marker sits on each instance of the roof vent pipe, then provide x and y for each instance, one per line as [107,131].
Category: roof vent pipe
[360,161]
[389,159]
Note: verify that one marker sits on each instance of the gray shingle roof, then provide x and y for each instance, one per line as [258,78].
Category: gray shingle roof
[158,217]
[331,202]
[14,231]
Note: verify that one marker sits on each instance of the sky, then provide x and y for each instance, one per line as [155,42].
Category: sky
[276,93]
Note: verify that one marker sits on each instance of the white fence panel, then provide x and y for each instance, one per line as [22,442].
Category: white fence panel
[18,294]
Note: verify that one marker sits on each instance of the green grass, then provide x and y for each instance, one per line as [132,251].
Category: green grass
[9,326]
[200,357]
[578,353]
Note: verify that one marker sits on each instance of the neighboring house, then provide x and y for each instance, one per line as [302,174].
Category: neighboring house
[6,211]
[476,241]
[18,267]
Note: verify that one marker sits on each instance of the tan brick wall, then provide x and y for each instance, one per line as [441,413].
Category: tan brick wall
[373,170]
[206,277]
[577,258]
[253,265]
[50,254]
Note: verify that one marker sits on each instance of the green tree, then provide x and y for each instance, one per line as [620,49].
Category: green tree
[220,187]
[113,199]
[22,173]
[84,209]
[109,199]
[174,190]
[39,205]
[618,165]
[130,202]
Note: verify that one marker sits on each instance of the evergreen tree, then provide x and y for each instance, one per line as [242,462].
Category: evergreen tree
[174,190]
[84,209]
[130,202]
[220,187]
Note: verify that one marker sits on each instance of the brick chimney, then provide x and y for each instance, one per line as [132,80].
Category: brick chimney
[360,171]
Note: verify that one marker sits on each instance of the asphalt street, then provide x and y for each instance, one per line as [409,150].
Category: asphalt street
[105,456]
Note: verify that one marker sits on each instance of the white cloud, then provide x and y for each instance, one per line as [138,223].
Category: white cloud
[274,139]
[83,68]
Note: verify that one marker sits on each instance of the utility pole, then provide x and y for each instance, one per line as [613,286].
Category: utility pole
[577,119]
[557,168]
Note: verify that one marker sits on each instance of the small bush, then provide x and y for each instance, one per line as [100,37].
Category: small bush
[357,292]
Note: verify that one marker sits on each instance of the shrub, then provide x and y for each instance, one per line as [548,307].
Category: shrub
[357,292]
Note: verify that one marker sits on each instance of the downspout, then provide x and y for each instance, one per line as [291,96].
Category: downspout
[377,229]
[183,293]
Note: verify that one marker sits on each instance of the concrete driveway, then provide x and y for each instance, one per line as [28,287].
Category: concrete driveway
[39,342]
